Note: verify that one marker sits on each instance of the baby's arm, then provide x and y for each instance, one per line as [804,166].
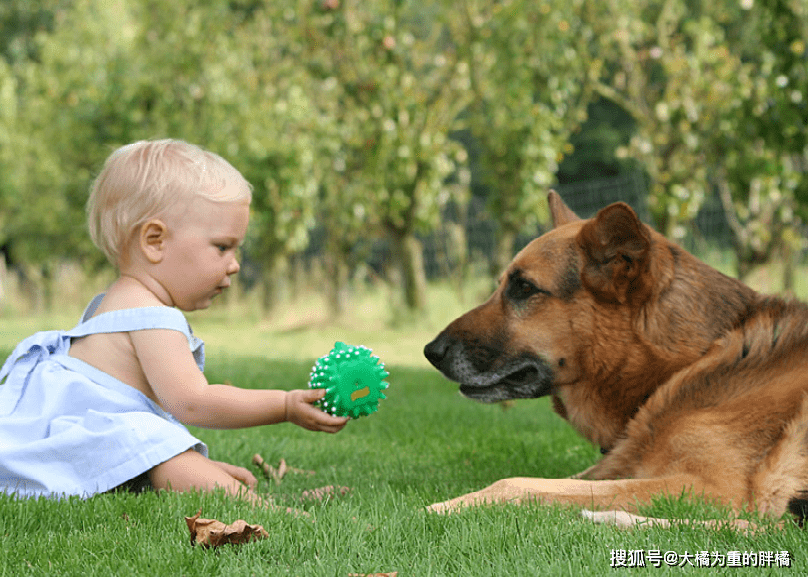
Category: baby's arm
[182,390]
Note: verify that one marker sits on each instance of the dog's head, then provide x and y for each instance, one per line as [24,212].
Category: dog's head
[536,331]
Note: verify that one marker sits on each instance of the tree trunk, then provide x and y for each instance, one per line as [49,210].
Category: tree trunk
[788,269]
[3,281]
[232,296]
[503,251]
[457,257]
[408,258]
[273,281]
[336,282]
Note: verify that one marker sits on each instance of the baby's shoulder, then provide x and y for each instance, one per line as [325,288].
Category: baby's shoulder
[111,314]
[118,299]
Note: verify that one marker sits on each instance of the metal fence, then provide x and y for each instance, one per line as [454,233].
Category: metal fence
[469,234]
[708,229]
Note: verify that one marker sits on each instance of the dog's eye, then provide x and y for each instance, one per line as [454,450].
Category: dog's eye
[520,289]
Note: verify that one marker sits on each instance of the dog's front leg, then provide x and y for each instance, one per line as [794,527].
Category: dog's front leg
[503,491]
[622,494]
[520,490]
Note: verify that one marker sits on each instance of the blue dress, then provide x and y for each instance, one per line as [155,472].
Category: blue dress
[67,428]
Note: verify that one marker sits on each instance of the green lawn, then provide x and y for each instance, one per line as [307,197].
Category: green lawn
[425,444]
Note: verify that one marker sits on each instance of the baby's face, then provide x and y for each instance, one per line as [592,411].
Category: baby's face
[201,251]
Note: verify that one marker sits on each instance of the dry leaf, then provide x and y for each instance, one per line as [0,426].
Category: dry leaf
[277,474]
[281,470]
[323,493]
[393,574]
[213,533]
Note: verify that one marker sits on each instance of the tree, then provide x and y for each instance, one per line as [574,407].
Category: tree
[763,182]
[51,107]
[666,66]
[528,71]
[700,79]
[392,89]
[105,74]
[271,116]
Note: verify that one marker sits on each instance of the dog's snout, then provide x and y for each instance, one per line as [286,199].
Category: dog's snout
[435,351]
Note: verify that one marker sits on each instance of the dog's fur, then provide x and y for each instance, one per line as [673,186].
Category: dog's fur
[688,380]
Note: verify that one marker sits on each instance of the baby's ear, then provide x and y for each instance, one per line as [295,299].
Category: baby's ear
[152,240]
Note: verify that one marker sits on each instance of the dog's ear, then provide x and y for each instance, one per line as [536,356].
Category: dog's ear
[616,244]
[560,212]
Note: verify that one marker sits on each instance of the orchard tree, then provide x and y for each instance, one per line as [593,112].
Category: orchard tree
[764,180]
[271,115]
[8,115]
[100,75]
[529,84]
[53,91]
[668,66]
[701,81]
[391,89]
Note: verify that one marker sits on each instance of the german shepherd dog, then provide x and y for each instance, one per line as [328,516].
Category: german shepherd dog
[688,380]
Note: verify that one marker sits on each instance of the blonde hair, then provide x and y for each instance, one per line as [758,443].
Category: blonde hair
[145,179]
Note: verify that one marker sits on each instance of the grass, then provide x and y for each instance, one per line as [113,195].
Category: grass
[425,444]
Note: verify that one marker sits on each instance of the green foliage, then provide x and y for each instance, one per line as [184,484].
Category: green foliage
[528,80]
[718,92]
[343,112]
[390,99]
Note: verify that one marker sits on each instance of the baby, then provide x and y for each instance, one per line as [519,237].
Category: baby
[103,405]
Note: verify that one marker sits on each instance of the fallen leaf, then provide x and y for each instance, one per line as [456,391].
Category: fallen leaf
[322,493]
[282,468]
[393,574]
[213,533]
[277,473]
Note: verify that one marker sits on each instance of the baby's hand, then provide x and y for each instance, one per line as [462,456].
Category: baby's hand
[239,473]
[300,411]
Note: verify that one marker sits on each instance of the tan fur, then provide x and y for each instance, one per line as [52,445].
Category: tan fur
[689,380]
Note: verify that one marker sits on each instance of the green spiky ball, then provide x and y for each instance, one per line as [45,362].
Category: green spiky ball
[353,379]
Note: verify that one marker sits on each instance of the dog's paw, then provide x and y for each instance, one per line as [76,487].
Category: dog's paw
[439,508]
[623,520]
[450,506]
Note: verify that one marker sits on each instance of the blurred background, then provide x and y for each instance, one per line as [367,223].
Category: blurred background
[401,151]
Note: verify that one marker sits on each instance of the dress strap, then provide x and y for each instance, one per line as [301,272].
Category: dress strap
[126,320]
[139,319]
[92,307]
